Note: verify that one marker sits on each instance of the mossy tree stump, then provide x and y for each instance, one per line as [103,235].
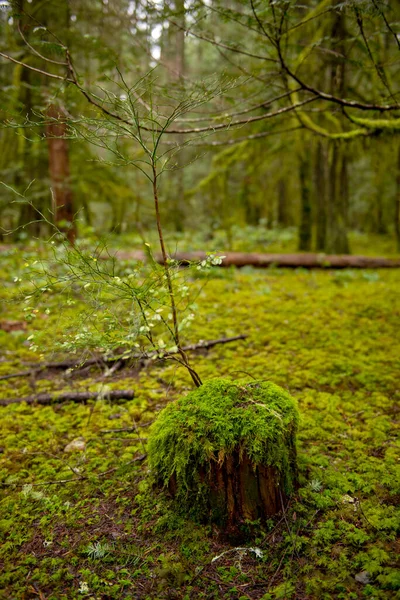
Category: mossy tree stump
[227,451]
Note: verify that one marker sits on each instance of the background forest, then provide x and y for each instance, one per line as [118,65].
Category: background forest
[240,129]
[316,175]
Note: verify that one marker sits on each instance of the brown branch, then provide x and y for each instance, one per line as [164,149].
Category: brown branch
[75,364]
[379,70]
[211,128]
[241,68]
[50,60]
[240,112]
[317,92]
[88,97]
[46,399]
[238,123]
[46,73]
[395,35]
[335,99]
[245,138]
[221,45]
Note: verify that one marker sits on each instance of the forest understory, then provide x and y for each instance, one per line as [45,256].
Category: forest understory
[78,517]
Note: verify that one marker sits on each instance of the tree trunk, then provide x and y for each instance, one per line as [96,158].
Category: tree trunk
[397,203]
[282,211]
[176,42]
[320,192]
[337,193]
[336,238]
[59,172]
[305,229]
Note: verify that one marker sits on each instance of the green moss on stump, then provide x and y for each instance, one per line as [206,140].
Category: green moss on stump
[227,451]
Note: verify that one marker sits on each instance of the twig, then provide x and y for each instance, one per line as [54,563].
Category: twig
[75,364]
[45,399]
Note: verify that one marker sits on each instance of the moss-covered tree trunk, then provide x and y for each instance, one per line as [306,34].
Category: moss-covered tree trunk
[227,452]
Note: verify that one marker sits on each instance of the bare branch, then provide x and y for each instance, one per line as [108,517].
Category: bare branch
[46,73]
[221,45]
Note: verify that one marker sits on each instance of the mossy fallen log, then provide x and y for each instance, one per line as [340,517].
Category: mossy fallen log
[227,451]
[291,261]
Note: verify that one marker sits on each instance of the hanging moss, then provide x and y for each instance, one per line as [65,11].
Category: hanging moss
[230,427]
[391,125]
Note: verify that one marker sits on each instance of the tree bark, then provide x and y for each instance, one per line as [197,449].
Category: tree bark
[294,261]
[59,171]
[305,229]
[397,203]
[176,42]
[320,189]
[336,238]
[248,492]
[337,193]
[282,210]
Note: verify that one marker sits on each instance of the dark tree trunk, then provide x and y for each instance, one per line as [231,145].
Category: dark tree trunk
[380,212]
[176,53]
[320,193]
[305,230]
[397,203]
[252,209]
[336,239]
[282,212]
[60,173]
[337,193]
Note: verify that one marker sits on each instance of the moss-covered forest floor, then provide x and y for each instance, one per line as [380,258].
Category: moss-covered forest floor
[85,524]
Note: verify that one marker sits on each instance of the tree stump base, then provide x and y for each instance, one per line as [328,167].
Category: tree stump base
[227,451]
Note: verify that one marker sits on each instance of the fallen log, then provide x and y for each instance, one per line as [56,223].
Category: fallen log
[292,261]
[123,359]
[77,397]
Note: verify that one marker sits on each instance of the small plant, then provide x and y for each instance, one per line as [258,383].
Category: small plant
[315,485]
[140,308]
[97,550]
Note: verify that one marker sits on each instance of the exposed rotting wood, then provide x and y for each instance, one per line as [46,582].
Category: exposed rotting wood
[246,491]
[120,358]
[70,397]
[293,261]
[227,452]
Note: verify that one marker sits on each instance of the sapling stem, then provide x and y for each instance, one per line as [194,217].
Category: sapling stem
[185,361]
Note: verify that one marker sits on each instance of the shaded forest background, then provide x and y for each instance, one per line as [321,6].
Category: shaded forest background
[314,173]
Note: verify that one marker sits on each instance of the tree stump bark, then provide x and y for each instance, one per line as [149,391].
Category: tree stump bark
[227,452]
